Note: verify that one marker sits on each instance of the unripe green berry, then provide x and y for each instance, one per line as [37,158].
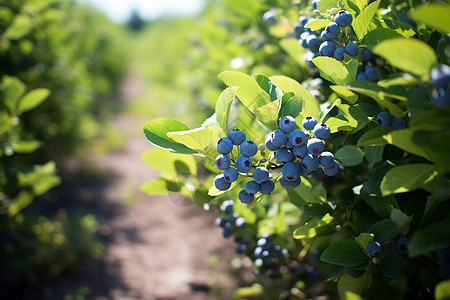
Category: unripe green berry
[316,12]
[375,260]
[334,10]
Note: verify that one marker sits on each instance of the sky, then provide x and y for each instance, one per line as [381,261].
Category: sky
[119,10]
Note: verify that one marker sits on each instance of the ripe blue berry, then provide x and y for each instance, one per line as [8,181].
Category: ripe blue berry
[241,249]
[278,138]
[243,164]
[444,254]
[332,30]
[332,170]
[352,49]
[300,151]
[261,174]
[302,42]
[237,136]
[297,137]
[361,76]
[324,36]
[224,145]
[240,223]
[223,162]
[327,48]
[445,269]
[252,187]
[288,145]
[314,3]
[287,124]
[374,248]
[270,16]
[289,184]
[315,146]
[284,155]
[227,206]
[269,144]
[401,245]
[220,183]
[313,43]
[230,174]
[384,119]
[339,54]
[398,123]
[291,171]
[366,55]
[343,18]
[372,74]
[310,163]
[248,148]
[309,122]
[326,159]
[440,76]
[267,187]
[441,97]
[322,131]
[245,197]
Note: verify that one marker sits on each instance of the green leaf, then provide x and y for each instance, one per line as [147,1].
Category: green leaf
[310,106]
[11,90]
[345,253]
[384,230]
[361,4]
[403,139]
[374,137]
[170,164]
[431,238]
[349,155]
[316,210]
[156,132]
[318,24]
[249,91]
[332,70]
[155,187]
[267,85]
[434,15]
[32,99]
[202,140]
[26,146]
[383,206]
[373,154]
[442,290]
[361,23]
[407,178]
[338,123]
[402,220]
[292,107]
[19,28]
[21,201]
[312,228]
[345,93]
[349,284]
[363,239]
[410,55]
[290,46]
[394,266]
[376,36]
[324,5]
[268,114]
[223,107]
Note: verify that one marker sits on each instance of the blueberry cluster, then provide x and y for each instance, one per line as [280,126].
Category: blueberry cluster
[368,71]
[260,183]
[267,252]
[444,258]
[243,163]
[230,221]
[300,152]
[440,77]
[385,119]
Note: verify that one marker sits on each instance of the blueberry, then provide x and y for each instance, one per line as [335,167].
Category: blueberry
[252,187]
[445,269]
[289,184]
[327,48]
[237,136]
[315,146]
[361,76]
[224,145]
[352,49]
[241,249]
[384,119]
[372,74]
[270,16]
[288,145]
[230,174]
[245,197]
[291,171]
[332,170]
[324,36]
[240,223]
[343,18]
[374,248]
[310,163]
[309,123]
[261,174]
[313,43]
[441,97]
[227,231]
[243,164]
[300,151]
[444,254]
[339,53]
[366,55]
[398,123]
[269,144]
[401,245]
[278,138]
[322,131]
[223,162]
[332,30]
[248,148]
[314,3]
[227,206]
[267,187]
[287,124]
[284,155]
[440,76]
[326,159]
[220,183]
[297,137]
[302,20]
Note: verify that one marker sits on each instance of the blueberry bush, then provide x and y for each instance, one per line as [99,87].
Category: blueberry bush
[332,170]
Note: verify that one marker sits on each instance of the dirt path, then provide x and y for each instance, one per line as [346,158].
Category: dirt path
[155,249]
